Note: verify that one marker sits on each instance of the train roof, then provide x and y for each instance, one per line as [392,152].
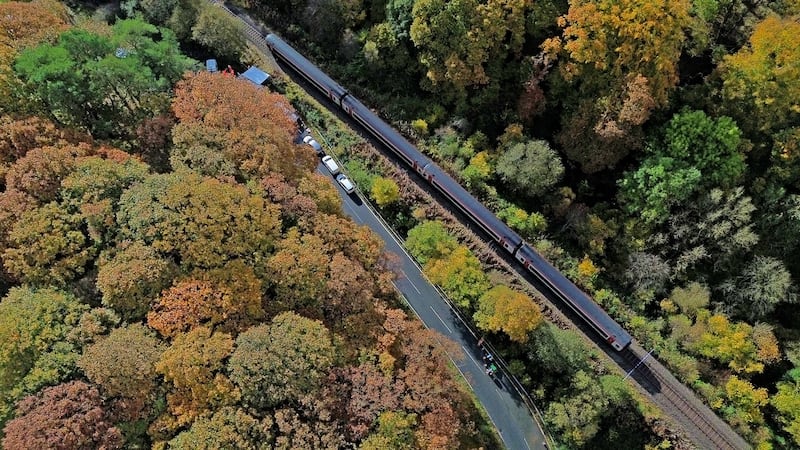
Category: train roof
[591,310]
[304,64]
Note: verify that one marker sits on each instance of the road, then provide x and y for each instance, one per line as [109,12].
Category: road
[514,422]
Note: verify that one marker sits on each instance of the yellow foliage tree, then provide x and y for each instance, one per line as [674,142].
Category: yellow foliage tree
[513,312]
[385,191]
[460,275]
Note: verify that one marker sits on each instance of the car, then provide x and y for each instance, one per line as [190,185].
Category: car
[330,164]
[345,183]
[311,142]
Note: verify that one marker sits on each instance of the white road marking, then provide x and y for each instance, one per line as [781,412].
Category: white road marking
[350,207]
[440,320]
[470,357]
[409,280]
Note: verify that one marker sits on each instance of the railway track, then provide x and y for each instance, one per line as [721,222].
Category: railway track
[706,428]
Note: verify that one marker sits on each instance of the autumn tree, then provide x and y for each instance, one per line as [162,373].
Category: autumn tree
[67,416]
[530,168]
[131,276]
[280,362]
[19,136]
[297,270]
[123,363]
[743,403]
[358,243]
[40,172]
[761,81]
[455,40]
[690,299]
[503,309]
[48,245]
[395,430]
[460,275]
[385,191]
[34,350]
[229,307]
[254,127]
[227,428]
[193,365]
[609,40]
[787,402]
[203,221]
[430,241]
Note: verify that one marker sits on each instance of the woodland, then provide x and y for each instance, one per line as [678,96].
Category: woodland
[175,273]
[164,225]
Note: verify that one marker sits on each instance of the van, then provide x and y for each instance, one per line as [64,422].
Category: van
[345,183]
[330,164]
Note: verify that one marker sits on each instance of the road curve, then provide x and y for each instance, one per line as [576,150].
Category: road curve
[506,409]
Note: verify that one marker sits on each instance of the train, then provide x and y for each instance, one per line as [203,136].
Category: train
[549,276]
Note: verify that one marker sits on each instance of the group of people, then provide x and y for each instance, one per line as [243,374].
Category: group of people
[488,361]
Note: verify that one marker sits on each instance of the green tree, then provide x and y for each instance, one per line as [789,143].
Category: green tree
[385,191]
[709,145]
[279,363]
[558,353]
[503,309]
[430,240]
[34,350]
[787,402]
[660,183]
[760,287]
[530,168]
[217,30]
[530,226]
[690,299]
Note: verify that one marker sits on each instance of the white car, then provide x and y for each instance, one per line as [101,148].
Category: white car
[333,168]
[313,144]
[345,183]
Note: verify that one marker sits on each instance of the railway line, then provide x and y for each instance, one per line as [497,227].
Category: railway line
[703,427]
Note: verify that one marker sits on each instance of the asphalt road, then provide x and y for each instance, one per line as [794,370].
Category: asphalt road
[506,409]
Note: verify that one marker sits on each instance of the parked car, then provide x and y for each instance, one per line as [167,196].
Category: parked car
[330,164]
[345,183]
[311,142]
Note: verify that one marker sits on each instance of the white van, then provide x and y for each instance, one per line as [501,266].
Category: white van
[333,168]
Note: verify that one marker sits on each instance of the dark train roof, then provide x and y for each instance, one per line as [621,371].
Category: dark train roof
[304,64]
[589,309]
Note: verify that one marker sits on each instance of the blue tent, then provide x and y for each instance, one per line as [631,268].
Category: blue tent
[255,75]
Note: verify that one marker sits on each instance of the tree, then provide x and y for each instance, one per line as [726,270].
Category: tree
[395,430]
[460,275]
[48,245]
[254,128]
[455,40]
[647,272]
[131,276]
[298,270]
[530,168]
[690,299]
[217,30]
[34,351]
[608,40]
[84,83]
[193,364]
[123,363]
[763,77]
[558,353]
[530,226]
[430,241]
[279,363]
[191,303]
[204,221]
[67,416]
[19,136]
[385,191]
[709,145]
[502,308]
[660,183]
[787,402]
[40,172]
[744,402]
[762,285]
[227,428]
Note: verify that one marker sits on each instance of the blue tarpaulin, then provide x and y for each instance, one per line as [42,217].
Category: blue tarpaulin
[255,75]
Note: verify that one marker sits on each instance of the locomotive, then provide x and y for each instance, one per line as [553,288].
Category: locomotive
[535,263]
